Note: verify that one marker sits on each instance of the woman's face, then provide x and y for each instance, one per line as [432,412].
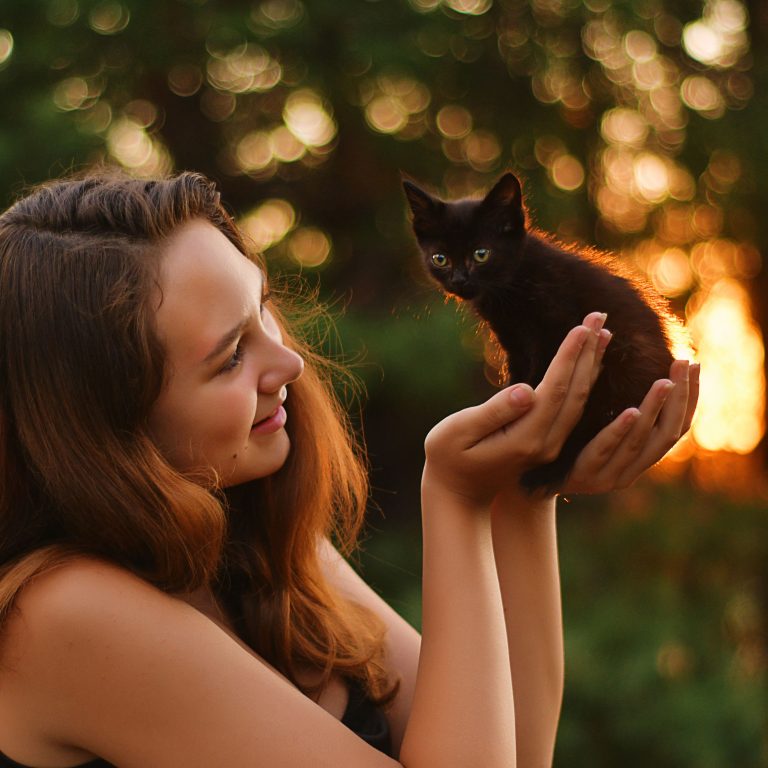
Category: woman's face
[227,367]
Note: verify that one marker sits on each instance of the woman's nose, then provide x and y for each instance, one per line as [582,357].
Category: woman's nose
[284,368]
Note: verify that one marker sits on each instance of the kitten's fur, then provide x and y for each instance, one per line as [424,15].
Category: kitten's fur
[532,291]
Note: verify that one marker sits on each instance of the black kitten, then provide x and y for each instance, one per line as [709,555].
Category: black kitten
[532,291]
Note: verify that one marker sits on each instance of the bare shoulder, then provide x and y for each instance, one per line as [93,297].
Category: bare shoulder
[94,655]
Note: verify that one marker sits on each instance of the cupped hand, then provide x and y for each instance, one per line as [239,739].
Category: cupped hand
[638,437]
[476,452]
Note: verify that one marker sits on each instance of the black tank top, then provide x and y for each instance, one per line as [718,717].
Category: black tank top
[361,716]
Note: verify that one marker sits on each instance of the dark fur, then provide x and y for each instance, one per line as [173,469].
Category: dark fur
[532,291]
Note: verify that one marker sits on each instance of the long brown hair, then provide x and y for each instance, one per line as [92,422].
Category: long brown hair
[80,368]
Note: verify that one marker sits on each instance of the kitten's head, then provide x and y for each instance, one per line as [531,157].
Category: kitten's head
[470,246]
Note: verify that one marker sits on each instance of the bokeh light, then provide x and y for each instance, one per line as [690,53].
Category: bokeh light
[309,246]
[731,412]
[267,224]
[309,119]
[135,149]
[6,46]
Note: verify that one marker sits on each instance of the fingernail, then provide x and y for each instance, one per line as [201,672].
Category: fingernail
[605,338]
[520,395]
[667,387]
[629,418]
[694,368]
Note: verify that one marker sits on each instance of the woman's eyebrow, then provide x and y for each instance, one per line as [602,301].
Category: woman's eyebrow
[226,340]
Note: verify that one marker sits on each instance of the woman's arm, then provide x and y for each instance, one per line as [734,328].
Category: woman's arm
[525,544]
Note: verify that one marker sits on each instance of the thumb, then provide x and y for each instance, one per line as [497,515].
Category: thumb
[499,411]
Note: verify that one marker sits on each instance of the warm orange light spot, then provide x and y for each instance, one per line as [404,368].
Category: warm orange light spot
[309,246]
[731,412]
[454,122]
[386,114]
[254,151]
[624,126]
[308,119]
[670,272]
[567,173]
[6,46]
[701,94]
[651,177]
[482,150]
[134,148]
[269,223]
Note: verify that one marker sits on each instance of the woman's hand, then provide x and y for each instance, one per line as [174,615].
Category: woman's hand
[638,437]
[476,452]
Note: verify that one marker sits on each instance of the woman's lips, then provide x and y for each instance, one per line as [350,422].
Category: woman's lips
[272,423]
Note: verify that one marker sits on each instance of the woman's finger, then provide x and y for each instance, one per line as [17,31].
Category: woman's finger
[668,428]
[498,412]
[602,344]
[567,394]
[694,372]
[636,440]
[672,416]
[589,473]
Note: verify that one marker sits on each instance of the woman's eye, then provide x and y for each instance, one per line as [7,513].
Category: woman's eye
[481,255]
[234,360]
[439,260]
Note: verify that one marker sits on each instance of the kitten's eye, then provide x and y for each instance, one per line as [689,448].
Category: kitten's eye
[481,255]
[439,259]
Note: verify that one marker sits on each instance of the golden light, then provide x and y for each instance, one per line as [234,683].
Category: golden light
[269,223]
[700,93]
[567,173]
[454,122]
[622,210]
[96,118]
[109,18]
[651,177]
[70,94]
[670,272]
[648,75]
[62,13]
[185,79]
[310,246]
[308,119]
[217,105]
[424,6]
[640,46]
[386,114]
[285,146]
[6,46]
[134,148]
[470,7]
[724,170]
[719,38]
[547,149]
[254,151]
[482,150]
[731,412]
[278,14]
[666,103]
[624,126]
[245,69]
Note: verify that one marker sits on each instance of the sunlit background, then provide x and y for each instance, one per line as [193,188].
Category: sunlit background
[638,127]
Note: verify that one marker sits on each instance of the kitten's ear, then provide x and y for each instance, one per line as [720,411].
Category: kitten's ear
[422,204]
[503,205]
[507,192]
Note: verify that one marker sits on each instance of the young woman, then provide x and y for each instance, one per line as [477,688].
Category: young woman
[174,469]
